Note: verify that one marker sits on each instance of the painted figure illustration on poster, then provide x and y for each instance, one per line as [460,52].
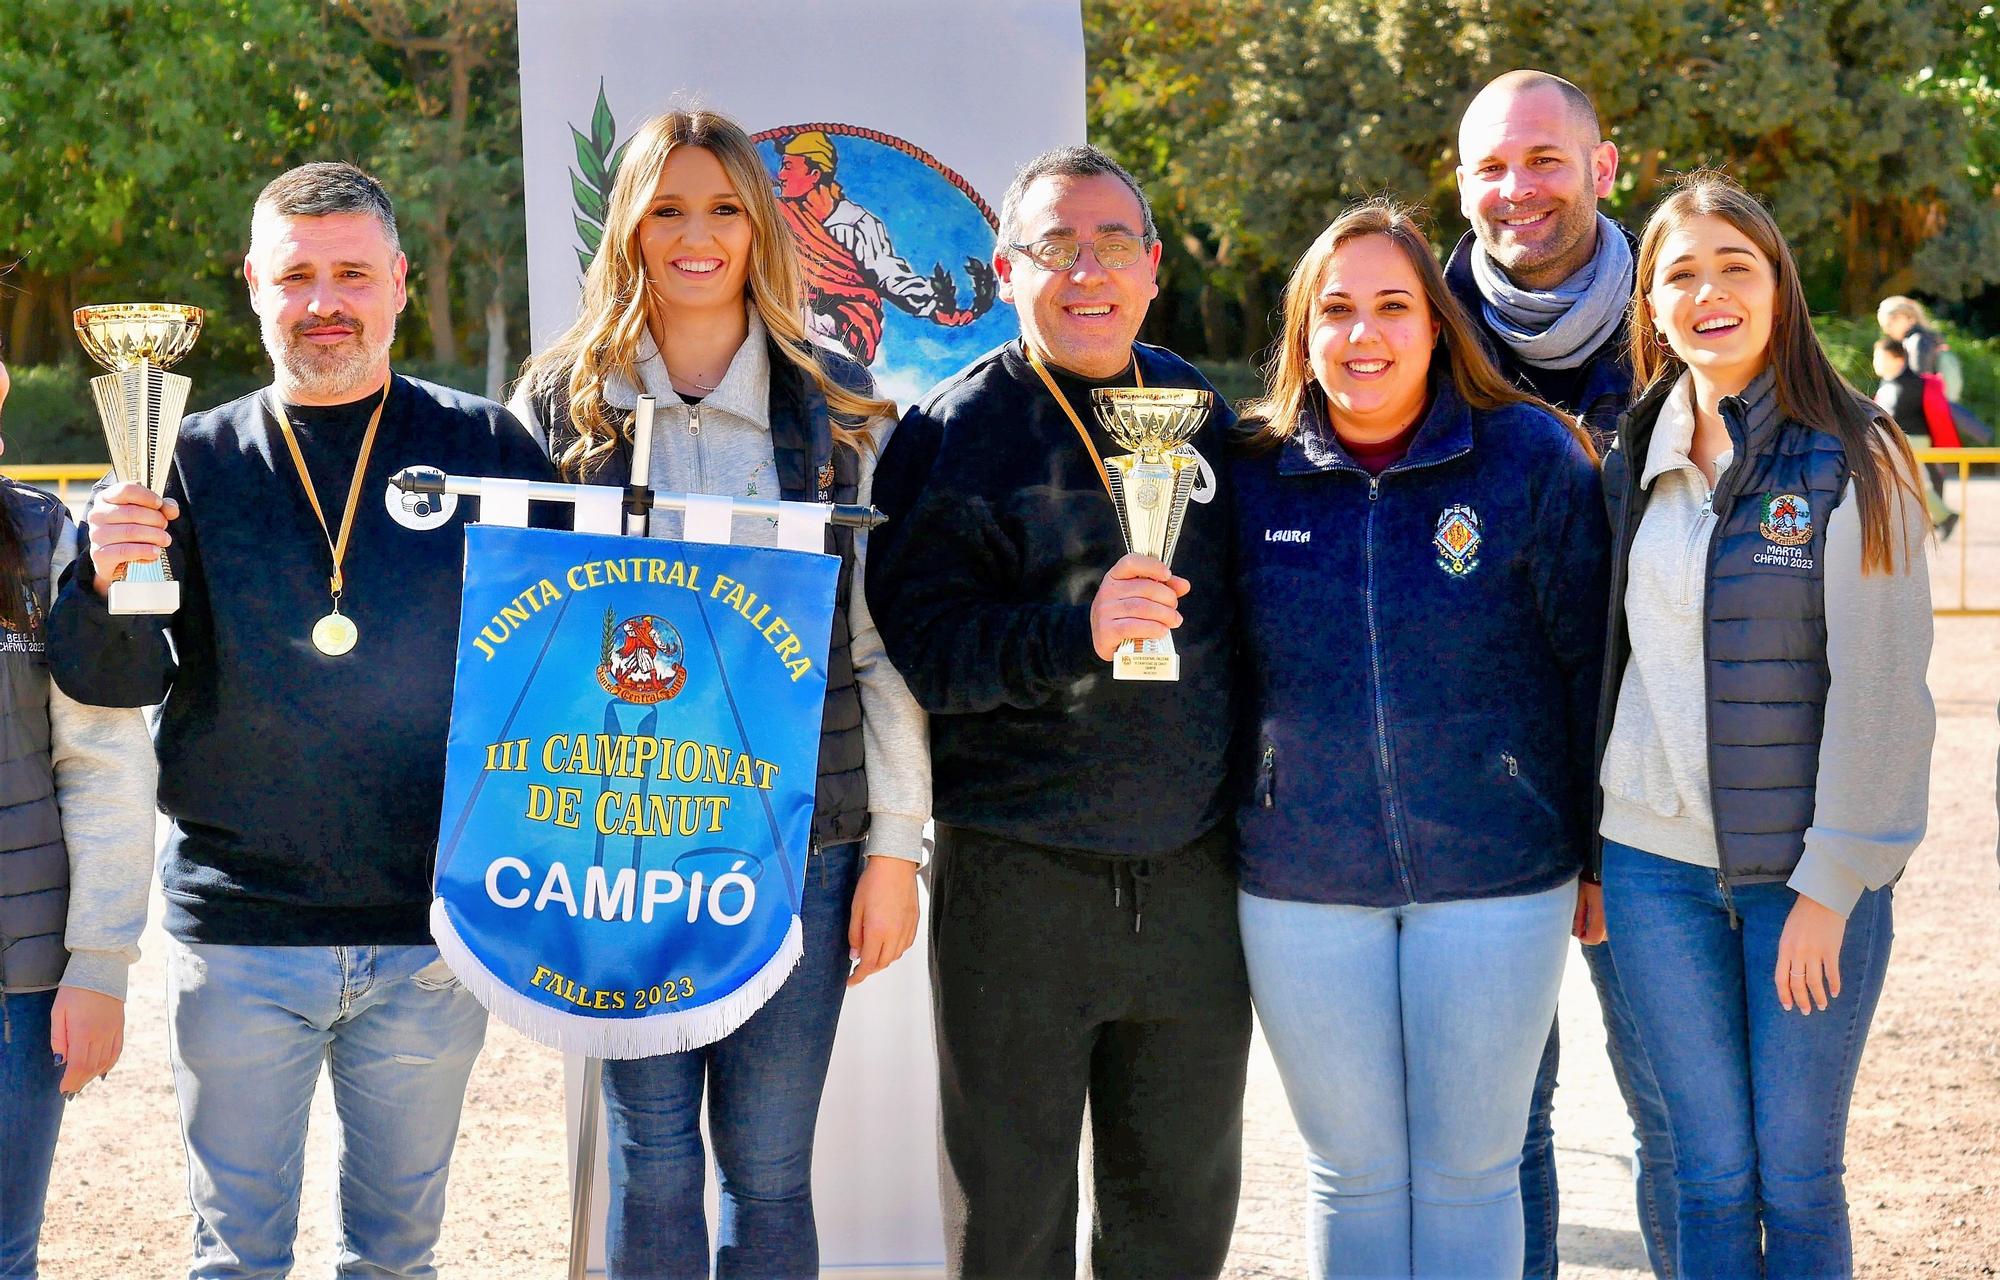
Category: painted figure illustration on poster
[896,247]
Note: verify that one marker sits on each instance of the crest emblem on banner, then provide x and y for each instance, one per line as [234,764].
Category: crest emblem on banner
[641,659]
[1786,520]
[1457,540]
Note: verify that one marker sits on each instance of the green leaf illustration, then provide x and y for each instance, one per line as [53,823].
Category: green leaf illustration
[597,160]
[587,200]
[586,159]
[602,129]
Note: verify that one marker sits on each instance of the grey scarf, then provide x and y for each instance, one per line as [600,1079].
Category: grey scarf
[1560,328]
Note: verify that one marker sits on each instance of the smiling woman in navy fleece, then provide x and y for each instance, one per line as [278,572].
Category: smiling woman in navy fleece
[1423,554]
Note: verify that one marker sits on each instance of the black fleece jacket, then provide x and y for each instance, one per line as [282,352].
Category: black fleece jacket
[304,790]
[999,532]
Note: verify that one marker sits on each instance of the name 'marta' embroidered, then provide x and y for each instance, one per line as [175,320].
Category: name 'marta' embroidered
[1457,540]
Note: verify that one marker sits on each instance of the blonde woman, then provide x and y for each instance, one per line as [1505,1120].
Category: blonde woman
[694,299]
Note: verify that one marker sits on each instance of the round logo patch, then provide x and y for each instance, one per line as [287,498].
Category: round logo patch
[641,659]
[1787,520]
[420,511]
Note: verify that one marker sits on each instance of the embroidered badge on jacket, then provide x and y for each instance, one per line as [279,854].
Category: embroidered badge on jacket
[1457,540]
[1787,520]
[33,637]
[826,482]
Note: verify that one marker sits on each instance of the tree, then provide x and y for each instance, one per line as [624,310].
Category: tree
[132,140]
[453,155]
[1254,122]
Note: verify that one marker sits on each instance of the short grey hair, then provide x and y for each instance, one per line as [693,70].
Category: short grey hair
[323,188]
[1067,162]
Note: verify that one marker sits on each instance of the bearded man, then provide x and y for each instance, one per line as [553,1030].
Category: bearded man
[1548,280]
[304,701]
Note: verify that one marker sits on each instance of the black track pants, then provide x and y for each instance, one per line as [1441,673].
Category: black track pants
[1063,981]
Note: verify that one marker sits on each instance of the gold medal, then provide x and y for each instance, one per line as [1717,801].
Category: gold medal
[335,634]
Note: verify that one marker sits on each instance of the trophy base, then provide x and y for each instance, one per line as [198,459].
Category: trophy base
[1145,660]
[128,597]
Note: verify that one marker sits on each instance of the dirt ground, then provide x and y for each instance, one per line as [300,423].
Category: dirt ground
[1923,1180]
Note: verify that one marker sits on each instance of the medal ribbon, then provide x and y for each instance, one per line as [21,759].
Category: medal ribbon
[1070,412]
[337,548]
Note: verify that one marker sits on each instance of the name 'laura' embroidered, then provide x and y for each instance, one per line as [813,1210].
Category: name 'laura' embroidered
[1288,535]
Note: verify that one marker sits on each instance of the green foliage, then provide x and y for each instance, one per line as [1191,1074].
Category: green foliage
[1237,380]
[49,417]
[1252,122]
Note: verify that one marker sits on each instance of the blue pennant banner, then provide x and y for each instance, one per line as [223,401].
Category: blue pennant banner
[629,785]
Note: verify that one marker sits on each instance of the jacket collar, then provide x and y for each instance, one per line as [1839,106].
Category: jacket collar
[1751,416]
[745,389]
[1446,433]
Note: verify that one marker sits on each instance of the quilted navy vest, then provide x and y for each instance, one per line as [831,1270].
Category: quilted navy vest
[810,469]
[1764,634]
[34,864]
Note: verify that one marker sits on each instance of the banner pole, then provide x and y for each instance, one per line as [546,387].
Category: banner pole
[584,1177]
[583,1169]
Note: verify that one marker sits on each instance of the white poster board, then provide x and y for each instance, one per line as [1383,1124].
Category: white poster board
[892,128]
[908,118]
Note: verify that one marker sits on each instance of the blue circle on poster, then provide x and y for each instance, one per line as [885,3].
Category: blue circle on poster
[896,250]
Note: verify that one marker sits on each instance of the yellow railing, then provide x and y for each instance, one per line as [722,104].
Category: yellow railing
[1964,459]
[60,476]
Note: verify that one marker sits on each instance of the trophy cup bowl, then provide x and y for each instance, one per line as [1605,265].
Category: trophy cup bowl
[1151,487]
[140,405]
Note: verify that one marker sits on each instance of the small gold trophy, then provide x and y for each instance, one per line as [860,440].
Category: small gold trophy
[140,405]
[1150,487]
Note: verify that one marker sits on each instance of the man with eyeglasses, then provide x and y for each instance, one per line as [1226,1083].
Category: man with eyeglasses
[1084,945]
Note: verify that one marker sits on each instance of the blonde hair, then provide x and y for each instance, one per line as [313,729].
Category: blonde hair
[1289,375]
[1898,305]
[611,319]
[1810,390]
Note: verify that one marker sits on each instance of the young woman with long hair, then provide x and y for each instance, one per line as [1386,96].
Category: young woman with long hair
[1422,553]
[694,298]
[76,853]
[1767,730]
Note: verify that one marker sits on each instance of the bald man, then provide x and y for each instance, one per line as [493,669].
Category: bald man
[1548,281]
[1547,277]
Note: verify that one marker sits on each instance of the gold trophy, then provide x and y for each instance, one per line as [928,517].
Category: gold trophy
[140,405]
[1150,487]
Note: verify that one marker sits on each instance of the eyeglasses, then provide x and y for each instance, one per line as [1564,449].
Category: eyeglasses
[1060,254]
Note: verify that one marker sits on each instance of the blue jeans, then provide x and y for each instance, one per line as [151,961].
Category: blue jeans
[1657,1198]
[30,1110]
[763,1083]
[249,1028]
[1407,1039]
[1757,1097]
